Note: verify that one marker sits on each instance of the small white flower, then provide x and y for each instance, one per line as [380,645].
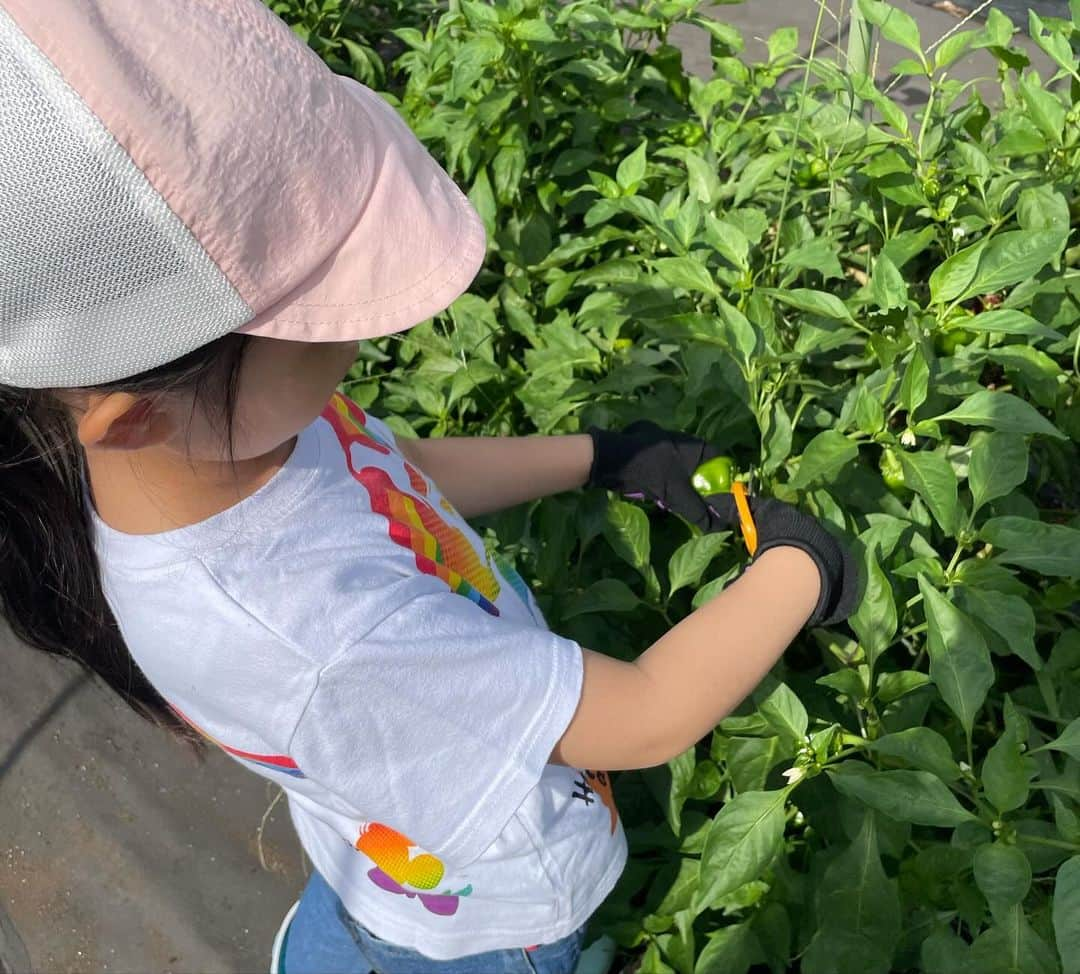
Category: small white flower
[958,233]
[964,766]
[908,438]
[795,774]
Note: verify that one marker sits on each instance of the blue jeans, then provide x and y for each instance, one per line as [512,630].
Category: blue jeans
[324,939]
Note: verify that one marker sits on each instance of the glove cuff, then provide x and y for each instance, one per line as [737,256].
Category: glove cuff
[603,443]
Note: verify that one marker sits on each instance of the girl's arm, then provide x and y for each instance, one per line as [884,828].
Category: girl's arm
[479,475]
[640,714]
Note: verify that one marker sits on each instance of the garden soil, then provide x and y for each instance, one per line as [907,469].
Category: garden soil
[121,851]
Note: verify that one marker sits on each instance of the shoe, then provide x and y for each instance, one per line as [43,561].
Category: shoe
[281,938]
[597,957]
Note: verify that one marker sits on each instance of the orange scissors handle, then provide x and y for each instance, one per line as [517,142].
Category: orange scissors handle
[746,519]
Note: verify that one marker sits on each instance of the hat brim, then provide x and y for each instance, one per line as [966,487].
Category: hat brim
[415,247]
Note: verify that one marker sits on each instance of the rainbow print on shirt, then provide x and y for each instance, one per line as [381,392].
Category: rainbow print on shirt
[396,868]
[440,548]
[271,762]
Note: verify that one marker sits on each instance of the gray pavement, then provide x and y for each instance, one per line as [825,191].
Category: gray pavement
[756,19]
[123,853]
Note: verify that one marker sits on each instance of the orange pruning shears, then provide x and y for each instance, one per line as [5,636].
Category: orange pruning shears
[746,519]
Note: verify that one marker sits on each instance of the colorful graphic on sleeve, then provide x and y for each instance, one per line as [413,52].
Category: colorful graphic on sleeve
[271,762]
[517,583]
[395,869]
[440,549]
[597,783]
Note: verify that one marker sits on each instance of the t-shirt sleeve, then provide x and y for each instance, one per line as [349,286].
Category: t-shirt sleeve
[438,721]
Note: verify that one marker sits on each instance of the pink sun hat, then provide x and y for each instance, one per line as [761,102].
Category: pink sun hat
[175,170]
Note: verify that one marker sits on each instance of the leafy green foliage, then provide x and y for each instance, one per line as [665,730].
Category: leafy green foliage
[775,268]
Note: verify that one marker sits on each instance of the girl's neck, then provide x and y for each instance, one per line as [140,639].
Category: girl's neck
[157,489]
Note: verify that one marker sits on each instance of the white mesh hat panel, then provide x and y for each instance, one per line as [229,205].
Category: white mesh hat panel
[99,279]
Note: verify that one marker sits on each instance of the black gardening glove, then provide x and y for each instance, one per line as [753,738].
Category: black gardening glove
[645,461]
[781,524]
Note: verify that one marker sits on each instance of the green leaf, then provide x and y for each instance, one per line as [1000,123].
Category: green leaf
[534,30]
[776,444]
[848,682]
[959,660]
[687,273]
[727,239]
[907,796]
[874,620]
[731,950]
[908,243]
[1067,914]
[895,25]
[470,62]
[680,893]
[783,41]
[682,768]
[943,952]
[999,463]
[631,170]
[952,277]
[750,759]
[1068,741]
[893,686]
[817,254]
[994,263]
[1055,43]
[888,288]
[1043,208]
[953,48]
[858,910]
[785,712]
[714,587]
[1002,872]
[1007,622]
[626,529]
[744,837]
[605,595]
[1011,257]
[678,947]
[922,748]
[1006,772]
[1050,549]
[692,558]
[1001,411]
[814,302]
[1012,946]
[931,476]
[1008,321]
[739,334]
[1044,109]
[824,457]
[916,382]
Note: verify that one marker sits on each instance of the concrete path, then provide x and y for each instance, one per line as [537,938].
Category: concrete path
[121,852]
[757,19]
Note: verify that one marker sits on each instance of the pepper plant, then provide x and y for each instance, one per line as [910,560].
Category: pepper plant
[878,316]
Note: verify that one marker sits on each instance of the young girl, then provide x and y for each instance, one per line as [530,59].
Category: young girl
[200,222]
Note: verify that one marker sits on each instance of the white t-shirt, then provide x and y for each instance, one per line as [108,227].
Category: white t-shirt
[343,633]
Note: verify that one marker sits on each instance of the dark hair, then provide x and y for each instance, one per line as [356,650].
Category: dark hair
[50,579]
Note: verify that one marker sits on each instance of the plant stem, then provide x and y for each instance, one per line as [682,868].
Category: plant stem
[798,129]
[1049,843]
[860,39]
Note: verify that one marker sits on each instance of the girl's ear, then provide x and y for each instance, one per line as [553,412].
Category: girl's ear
[123,421]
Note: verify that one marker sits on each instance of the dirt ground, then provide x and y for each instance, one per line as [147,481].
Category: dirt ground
[123,853]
